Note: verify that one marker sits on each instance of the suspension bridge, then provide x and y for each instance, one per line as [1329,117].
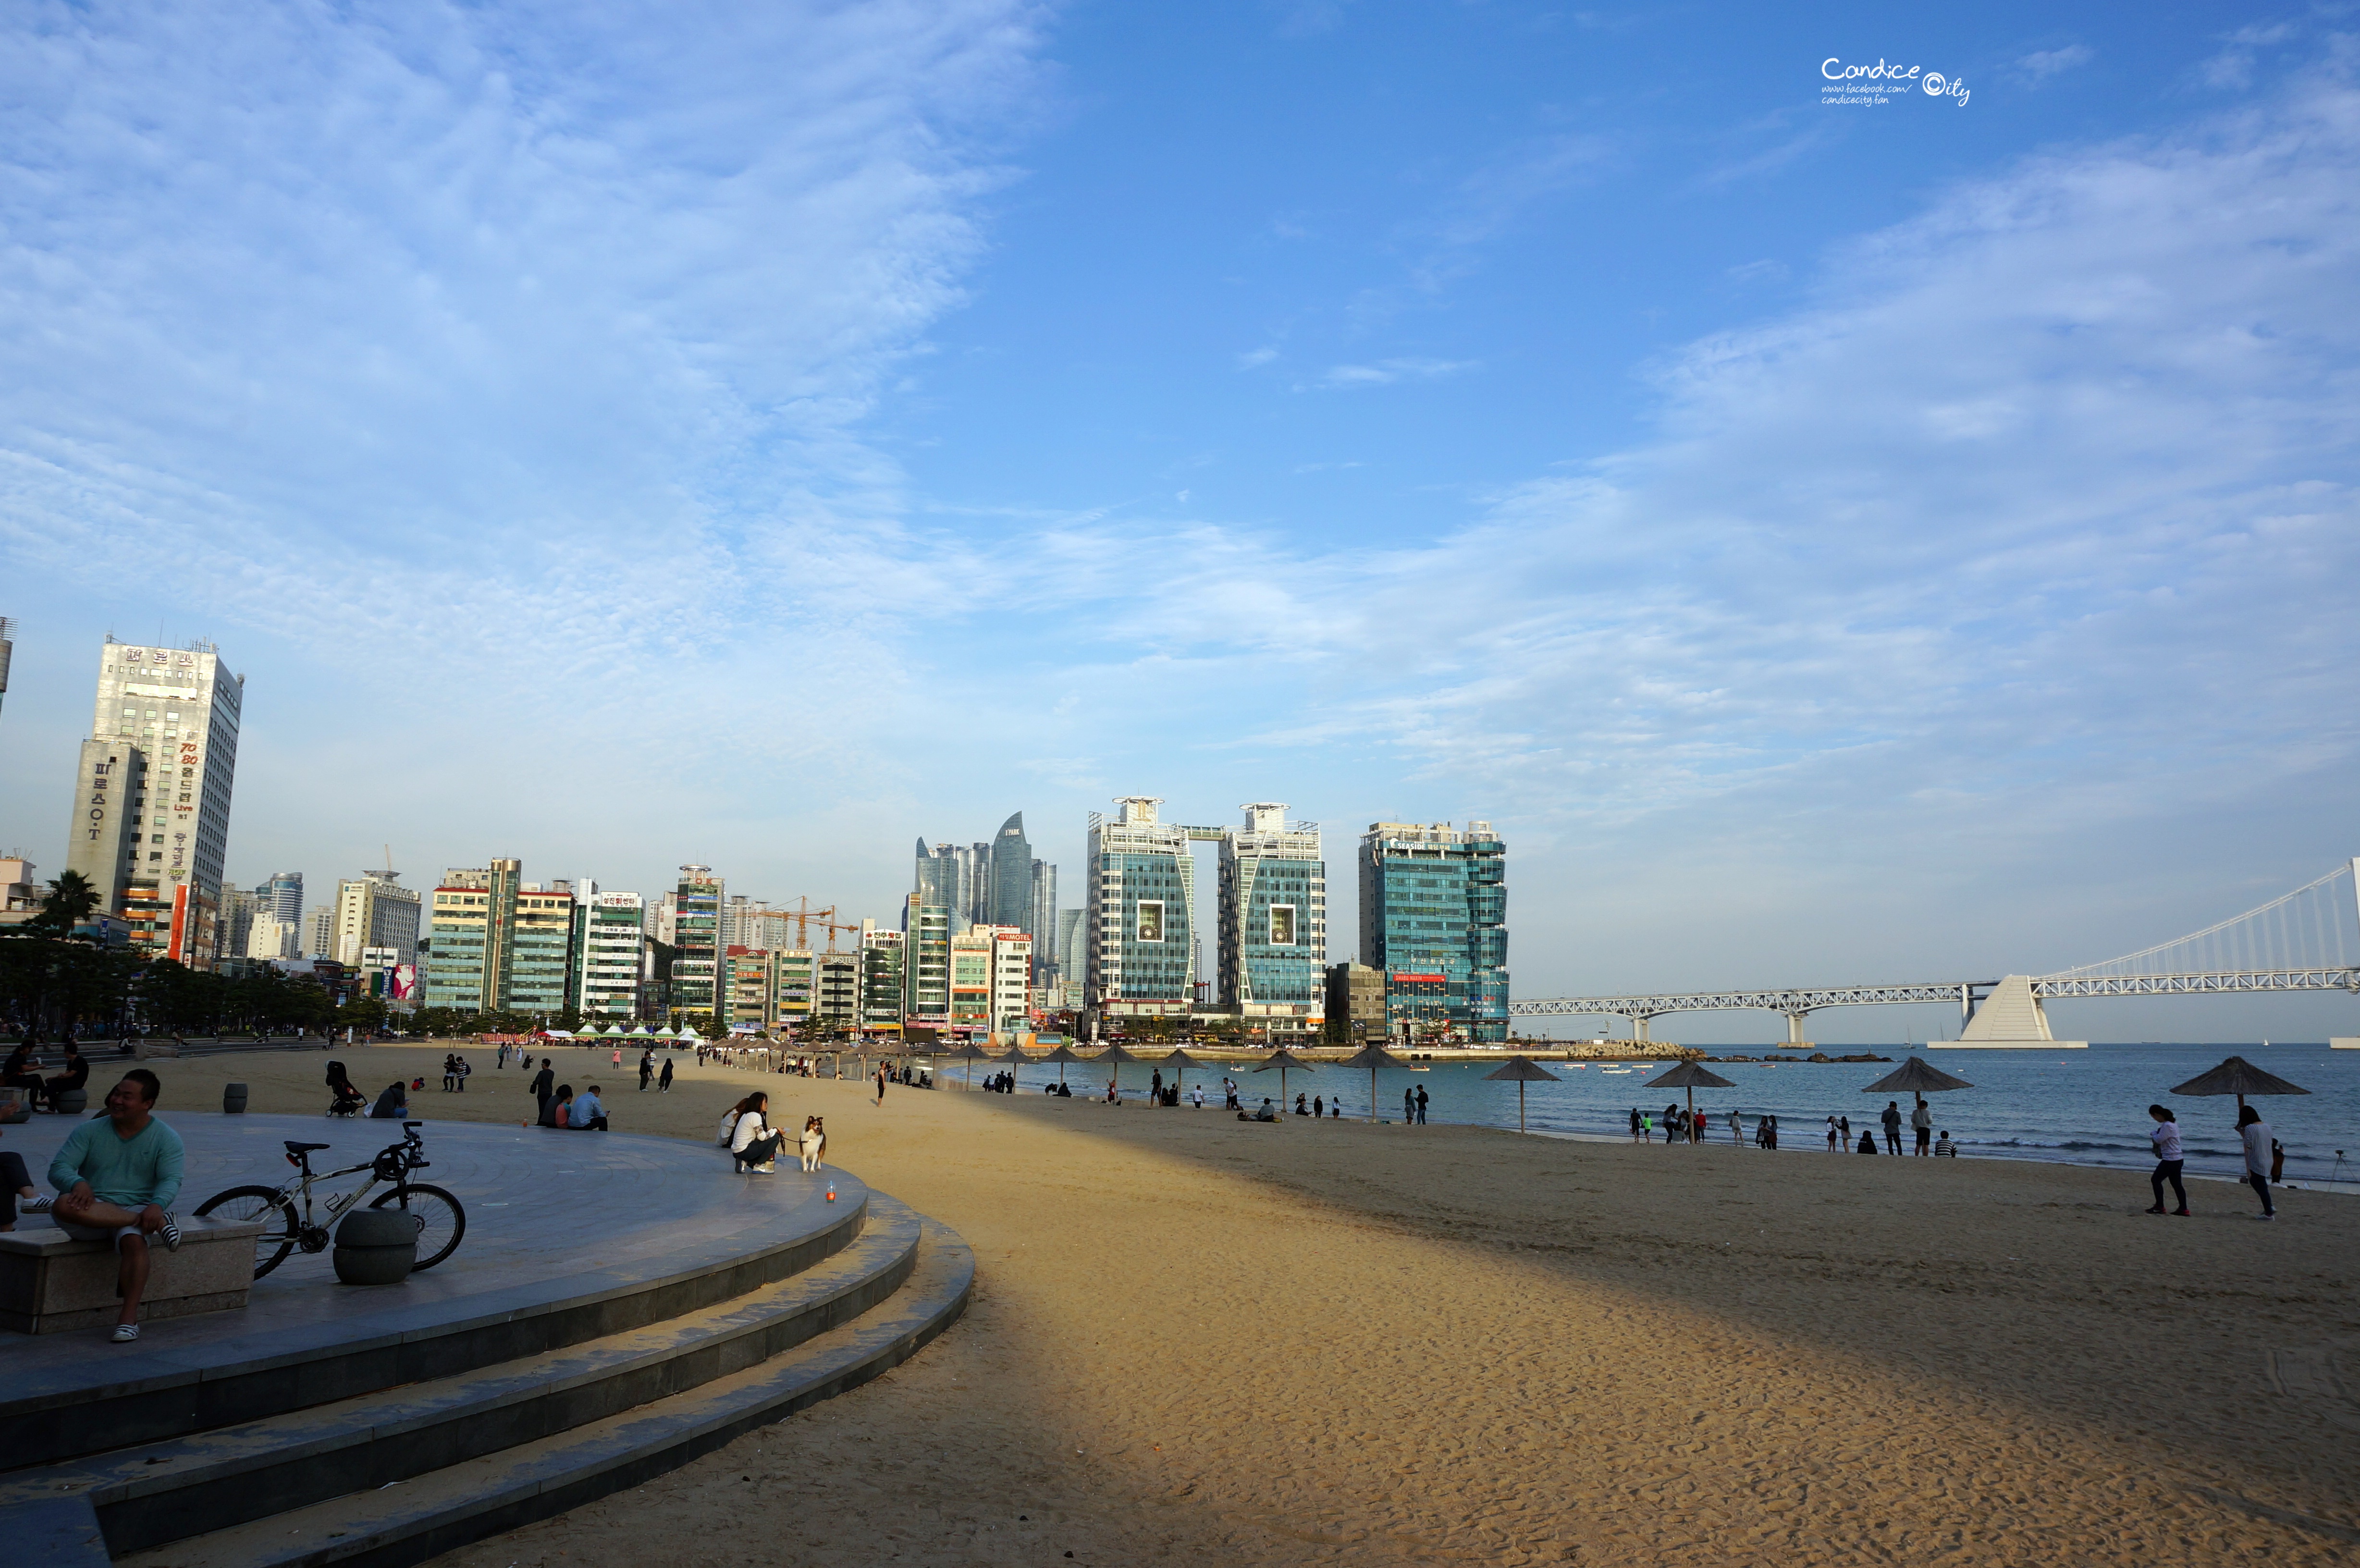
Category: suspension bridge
[2308,940]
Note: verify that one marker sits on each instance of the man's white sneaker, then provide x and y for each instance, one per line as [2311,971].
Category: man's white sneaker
[39,1205]
[125,1332]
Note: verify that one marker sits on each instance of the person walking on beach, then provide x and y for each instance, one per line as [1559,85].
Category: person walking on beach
[2167,1160]
[1922,1118]
[1736,1130]
[2255,1133]
[647,1068]
[1635,1124]
[1843,1128]
[663,1080]
[880,1084]
[1421,1104]
[1197,1096]
[1409,1106]
[1832,1135]
[1647,1127]
[1892,1119]
[544,1084]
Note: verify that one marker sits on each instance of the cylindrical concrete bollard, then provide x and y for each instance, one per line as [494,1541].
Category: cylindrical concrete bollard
[69,1102]
[376,1247]
[232,1099]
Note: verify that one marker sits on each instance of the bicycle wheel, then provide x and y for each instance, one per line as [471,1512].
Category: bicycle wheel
[441,1220]
[247,1204]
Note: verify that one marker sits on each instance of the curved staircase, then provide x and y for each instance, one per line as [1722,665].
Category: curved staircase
[490,1412]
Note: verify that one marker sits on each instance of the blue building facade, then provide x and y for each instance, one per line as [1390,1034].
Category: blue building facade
[1433,912]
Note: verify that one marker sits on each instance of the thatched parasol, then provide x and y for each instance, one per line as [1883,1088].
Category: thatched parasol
[1062,1055]
[970,1053]
[1372,1057]
[1179,1060]
[1519,1071]
[1283,1058]
[1688,1075]
[2239,1077]
[1114,1056]
[1918,1076]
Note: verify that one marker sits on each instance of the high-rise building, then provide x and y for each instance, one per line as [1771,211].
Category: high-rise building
[836,998]
[320,932]
[471,924]
[926,964]
[7,649]
[150,825]
[1069,954]
[993,883]
[1043,921]
[1433,917]
[542,950]
[1011,876]
[1273,922]
[282,896]
[1140,891]
[235,926]
[1356,1003]
[614,948]
[374,909]
[881,978]
[696,934]
[747,983]
[273,942]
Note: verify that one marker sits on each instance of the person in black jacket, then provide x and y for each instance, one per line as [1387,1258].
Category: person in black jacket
[544,1085]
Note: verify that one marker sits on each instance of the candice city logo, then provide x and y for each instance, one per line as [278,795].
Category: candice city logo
[1869,85]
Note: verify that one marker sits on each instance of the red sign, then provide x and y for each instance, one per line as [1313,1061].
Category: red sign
[1420,979]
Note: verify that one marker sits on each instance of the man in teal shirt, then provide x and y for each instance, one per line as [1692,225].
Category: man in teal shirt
[117,1178]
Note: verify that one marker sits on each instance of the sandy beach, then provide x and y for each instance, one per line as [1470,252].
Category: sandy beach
[1338,1342]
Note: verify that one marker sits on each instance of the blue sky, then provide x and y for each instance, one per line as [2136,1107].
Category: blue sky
[1832,541]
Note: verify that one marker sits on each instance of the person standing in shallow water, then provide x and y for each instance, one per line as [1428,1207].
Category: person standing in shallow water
[2169,1160]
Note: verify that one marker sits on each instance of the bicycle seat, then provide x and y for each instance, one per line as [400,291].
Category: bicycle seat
[294,1148]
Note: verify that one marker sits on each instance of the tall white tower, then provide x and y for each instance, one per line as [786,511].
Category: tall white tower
[150,825]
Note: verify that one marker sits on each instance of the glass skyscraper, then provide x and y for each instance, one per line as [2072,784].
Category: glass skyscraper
[1273,922]
[1434,918]
[1138,931]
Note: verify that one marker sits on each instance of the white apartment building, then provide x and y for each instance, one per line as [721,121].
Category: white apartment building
[150,825]
[613,952]
[374,909]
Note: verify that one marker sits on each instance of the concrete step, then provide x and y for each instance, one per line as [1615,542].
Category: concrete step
[438,1510]
[163,1491]
[154,1394]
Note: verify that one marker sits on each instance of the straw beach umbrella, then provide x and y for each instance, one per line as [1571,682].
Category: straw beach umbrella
[2239,1077]
[1180,1061]
[1519,1071]
[1114,1056]
[1373,1057]
[1061,1056]
[1690,1076]
[1283,1058]
[1920,1077]
[970,1053]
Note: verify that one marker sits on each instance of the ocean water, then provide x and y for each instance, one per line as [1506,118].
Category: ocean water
[2082,1107]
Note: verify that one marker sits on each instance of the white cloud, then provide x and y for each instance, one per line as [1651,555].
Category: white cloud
[1253,358]
[2042,64]
[1387,371]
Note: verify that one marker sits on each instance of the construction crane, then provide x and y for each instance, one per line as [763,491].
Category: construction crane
[806,917]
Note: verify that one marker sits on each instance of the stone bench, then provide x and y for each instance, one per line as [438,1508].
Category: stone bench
[49,1283]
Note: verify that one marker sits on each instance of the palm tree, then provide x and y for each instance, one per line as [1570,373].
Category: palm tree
[71,901]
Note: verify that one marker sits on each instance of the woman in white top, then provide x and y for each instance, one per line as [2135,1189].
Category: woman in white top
[756,1147]
[2255,1133]
[2167,1159]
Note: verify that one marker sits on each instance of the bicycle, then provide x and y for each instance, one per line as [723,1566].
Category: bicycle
[440,1220]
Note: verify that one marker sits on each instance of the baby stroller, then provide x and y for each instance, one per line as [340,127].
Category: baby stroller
[348,1101]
